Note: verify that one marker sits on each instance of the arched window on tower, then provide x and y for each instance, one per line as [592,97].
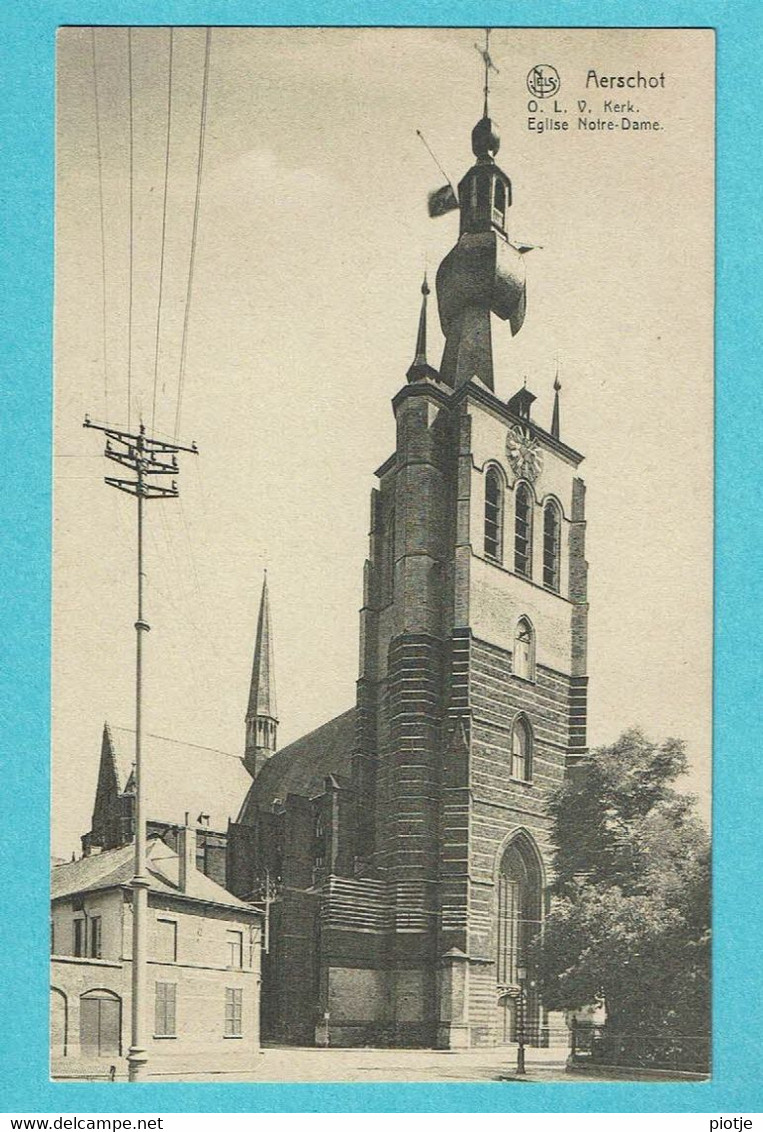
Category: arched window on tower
[521,750]
[499,203]
[523,531]
[493,515]
[518,910]
[512,896]
[524,650]
[551,546]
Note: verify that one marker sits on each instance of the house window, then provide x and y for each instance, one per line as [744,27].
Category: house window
[166,941]
[523,532]
[233,1012]
[79,937]
[235,941]
[493,515]
[95,937]
[164,1010]
[521,750]
[524,650]
[551,546]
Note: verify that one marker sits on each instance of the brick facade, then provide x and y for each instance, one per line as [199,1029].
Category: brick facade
[416,850]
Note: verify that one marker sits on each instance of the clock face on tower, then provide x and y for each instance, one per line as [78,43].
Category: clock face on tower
[523,453]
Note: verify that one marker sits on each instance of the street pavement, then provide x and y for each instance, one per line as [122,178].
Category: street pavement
[290,1064]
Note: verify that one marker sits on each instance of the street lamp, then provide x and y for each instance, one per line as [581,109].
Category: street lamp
[521,979]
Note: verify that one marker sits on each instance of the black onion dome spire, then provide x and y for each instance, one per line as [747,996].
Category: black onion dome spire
[483,276]
[486,140]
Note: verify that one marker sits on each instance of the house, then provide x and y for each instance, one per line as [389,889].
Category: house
[203,978]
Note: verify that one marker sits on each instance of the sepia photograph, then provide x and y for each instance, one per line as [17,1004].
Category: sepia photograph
[382,603]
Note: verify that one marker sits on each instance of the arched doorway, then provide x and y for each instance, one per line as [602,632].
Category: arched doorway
[100,1023]
[518,912]
[59,1023]
[507,1018]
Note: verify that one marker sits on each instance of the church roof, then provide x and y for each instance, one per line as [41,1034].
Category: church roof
[114,868]
[302,767]
[180,777]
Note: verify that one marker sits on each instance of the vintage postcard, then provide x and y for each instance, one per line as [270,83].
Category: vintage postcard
[382,658]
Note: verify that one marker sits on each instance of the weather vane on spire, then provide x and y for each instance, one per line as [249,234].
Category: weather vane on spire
[484,52]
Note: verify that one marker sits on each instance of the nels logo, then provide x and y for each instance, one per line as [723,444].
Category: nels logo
[543,80]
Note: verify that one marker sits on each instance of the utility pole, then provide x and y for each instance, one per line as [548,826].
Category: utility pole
[145,457]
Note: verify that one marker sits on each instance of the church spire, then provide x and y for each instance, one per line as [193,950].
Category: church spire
[420,367]
[555,416]
[262,714]
[483,276]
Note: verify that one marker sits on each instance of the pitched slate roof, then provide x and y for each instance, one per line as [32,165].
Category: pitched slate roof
[180,777]
[115,867]
[302,767]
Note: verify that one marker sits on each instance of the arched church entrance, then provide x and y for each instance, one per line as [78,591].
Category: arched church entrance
[519,909]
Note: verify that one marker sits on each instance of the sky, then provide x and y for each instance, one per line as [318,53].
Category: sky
[312,238]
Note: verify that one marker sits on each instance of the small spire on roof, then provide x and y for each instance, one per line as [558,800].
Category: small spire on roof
[262,714]
[420,367]
[555,415]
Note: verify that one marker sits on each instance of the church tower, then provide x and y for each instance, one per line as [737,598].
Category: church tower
[409,837]
[261,713]
[472,691]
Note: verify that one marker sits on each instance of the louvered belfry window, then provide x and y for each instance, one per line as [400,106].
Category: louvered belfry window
[523,532]
[493,515]
[551,546]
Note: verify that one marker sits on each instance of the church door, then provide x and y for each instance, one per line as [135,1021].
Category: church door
[507,1019]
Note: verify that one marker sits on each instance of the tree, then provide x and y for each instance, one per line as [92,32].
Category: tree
[629,920]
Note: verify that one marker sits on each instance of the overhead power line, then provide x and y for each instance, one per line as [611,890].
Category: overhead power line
[194,234]
[131,225]
[164,232]
[102,225]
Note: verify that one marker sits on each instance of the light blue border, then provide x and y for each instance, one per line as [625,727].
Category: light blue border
[26,195]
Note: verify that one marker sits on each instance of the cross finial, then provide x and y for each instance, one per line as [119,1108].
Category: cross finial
[489,65]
